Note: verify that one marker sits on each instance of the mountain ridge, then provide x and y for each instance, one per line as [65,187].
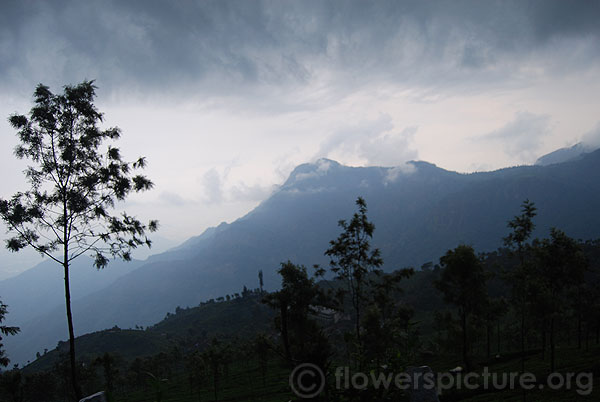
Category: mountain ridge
[419,210]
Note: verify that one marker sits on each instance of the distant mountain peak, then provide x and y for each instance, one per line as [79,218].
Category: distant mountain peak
[322,161]
[309,170]
[566,154]
[423,164]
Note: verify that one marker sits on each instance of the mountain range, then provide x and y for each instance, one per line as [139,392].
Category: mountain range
[419,211]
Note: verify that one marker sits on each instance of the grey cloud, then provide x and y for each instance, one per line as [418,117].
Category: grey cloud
[323,166]
[256,192]
[591,139]
[213,187]
[389,149]
[240,47]
[392,174]
[173,199]
[376,142]
[552,19]
[216,190]
[522,137]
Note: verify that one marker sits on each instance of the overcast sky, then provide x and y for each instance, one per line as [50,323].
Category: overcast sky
[225,98]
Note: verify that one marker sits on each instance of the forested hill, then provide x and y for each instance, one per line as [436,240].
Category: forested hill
[420,211]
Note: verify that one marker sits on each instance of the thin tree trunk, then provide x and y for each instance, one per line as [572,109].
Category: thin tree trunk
[498,328]
[544,339]
[76,388]
[522,339]
[552,345]
[357,306]
[522,268]
[587,335]
[579,331]
[523,346]
[284,333]
[489,340]
[465,342]
[357,324]
[216,379]
[65,240]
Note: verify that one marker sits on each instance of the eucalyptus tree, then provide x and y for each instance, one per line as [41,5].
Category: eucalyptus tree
[463,284]
[298,302]
[561,266]
[521,227]
[352,261]
[75,182]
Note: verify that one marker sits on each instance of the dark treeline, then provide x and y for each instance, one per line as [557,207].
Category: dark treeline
[516,308]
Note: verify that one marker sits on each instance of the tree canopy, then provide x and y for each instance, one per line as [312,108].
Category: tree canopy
[73,182]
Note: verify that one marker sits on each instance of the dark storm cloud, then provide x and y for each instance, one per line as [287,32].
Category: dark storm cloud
[550,19]
[231,47]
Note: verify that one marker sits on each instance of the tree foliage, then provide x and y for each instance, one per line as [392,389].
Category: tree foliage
[73,182]
[561,266]
[5,330]
[352,260]
[521,227]
[463,284]
[520,277]
[297,303]
[387,326]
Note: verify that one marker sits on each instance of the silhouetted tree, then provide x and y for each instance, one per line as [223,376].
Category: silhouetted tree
[298,299]
[73,186]
[157,384]
[11,382]
[352,260]
[561,265]
[493,310]
[5,330]
[137,372]
[386,322]
[196,369]
[110,372]
[517,240]
[262,350]
[213,356]
[463,284]
[40,387]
